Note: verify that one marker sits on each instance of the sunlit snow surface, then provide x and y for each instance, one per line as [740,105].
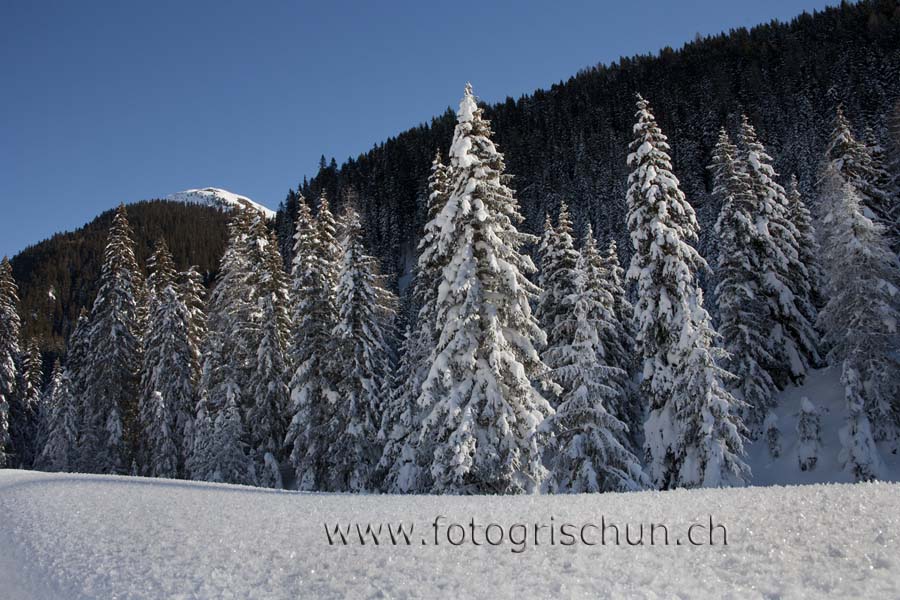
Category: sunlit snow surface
[221,199]
[83,536]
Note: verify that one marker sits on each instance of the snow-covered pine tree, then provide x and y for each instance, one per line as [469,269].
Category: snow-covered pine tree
[745,252]
[692,435]
[58,451]
[558,280]
[113,357]
[168,385]
[77,363]
[808,246]
[398,468]
[773,434]
[9,354]
[605,272]
[267,415]
[859,455]
[161,270]
[809,441]
[192,293]
[861,317]
[854,162]
[785,279]
[163,451]
[589,449]
[361,355]
[25,411]
[314,278]
[227,348]
[228,459]
[482,408]
[884,183]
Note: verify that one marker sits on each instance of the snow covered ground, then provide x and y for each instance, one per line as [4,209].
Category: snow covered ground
[85,536]
[824,390]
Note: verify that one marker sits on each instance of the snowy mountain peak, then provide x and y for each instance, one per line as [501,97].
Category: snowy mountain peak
[220,198]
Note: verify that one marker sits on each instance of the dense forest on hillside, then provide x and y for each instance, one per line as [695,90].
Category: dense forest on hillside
[569,143]
[59,276]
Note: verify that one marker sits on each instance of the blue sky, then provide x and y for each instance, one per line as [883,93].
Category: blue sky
[110,101]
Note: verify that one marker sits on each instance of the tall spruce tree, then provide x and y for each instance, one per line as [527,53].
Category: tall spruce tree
[313,384]
[808,246]
[398,468]
[230,340]
[482,408]
[867,176]
[161,270]
[863,310]
[362,357]
[168,386]
[58,452]
[601,283]
[559,281]
[743,268]
[112,361]
[589,450]
[786,280]
[9,353]
[692,434]
[25,412]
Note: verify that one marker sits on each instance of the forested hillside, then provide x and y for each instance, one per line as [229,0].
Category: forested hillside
[569,143]
[59,276]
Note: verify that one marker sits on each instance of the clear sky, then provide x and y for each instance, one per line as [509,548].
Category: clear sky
[104,101]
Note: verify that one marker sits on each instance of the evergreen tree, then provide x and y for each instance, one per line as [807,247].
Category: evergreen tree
[808,246]
[558,263]
[362,357]
[863,309]
[744,265]
[228,459]
[168,385]
[603,273]
[266,418]
[401,471]
[785,279]
[9,353]
[110,377]
[232,340]
[25,425]
[773,434]
[853,161]
[591,452]
[482,410]
[160,431]
[808,440]
[692,436]
[858,453]
[161,269]
[314,278]
[192,293]
[58,451]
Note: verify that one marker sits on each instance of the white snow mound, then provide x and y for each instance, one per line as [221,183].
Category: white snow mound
[87,536]
[221,199]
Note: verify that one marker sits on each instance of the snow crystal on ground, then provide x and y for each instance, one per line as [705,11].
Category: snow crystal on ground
[85,536]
